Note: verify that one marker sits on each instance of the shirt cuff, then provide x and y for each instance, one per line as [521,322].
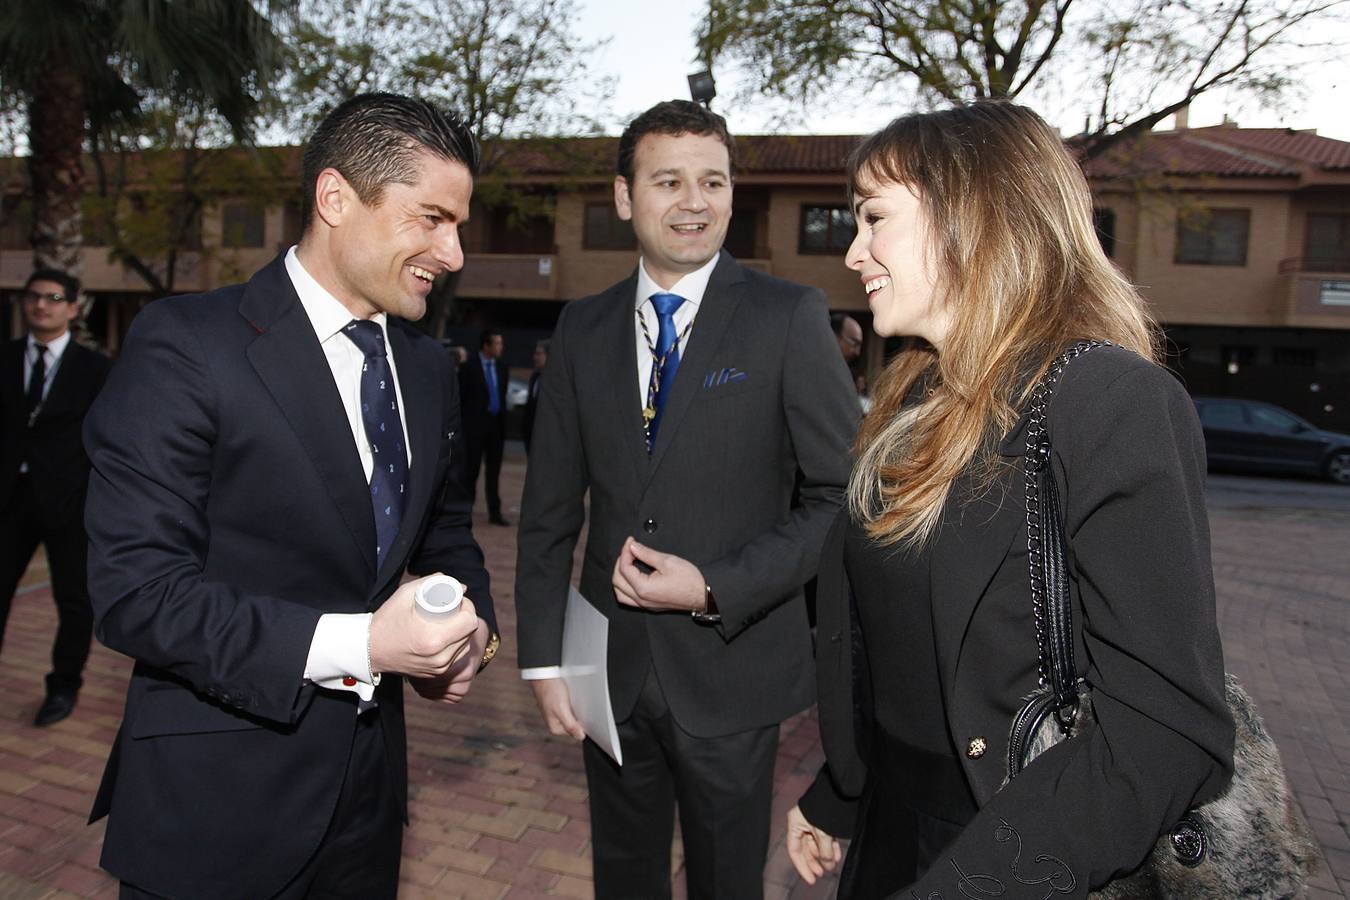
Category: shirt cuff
[539,673]
[339,654]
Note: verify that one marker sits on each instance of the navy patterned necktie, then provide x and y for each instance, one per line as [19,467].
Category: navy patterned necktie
[384,430]
[666,358]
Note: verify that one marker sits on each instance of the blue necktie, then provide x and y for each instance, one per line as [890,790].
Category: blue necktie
[490,372]
[384,430]
[665,306]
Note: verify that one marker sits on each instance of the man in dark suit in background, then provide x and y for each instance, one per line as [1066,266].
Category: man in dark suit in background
[686,399]
[482,390]
[532,396]
[47,383]
[269,460]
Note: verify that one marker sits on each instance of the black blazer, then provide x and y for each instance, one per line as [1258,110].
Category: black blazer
[473,392]
[57,465]
[227,511]
[531,406]
[761,393]
[1129,460]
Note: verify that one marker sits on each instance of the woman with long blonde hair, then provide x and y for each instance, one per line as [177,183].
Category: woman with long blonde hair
[975,241]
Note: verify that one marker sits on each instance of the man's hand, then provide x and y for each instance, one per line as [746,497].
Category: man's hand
[672,584]
[454,684]
[403,641]
[556,705]
[811,850]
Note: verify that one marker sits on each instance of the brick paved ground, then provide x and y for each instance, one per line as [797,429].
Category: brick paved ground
[499,810]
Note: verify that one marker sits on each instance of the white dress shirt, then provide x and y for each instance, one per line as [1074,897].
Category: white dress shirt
[341,644]
[691,287]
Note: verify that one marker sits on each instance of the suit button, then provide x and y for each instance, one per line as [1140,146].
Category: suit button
[649,526]
[975,749]
[348,681]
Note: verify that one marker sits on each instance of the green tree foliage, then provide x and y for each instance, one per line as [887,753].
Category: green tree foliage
[510,68]
[154,179]
[1123,66]
[82,66]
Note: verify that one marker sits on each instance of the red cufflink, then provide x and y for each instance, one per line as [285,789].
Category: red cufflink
[348,681]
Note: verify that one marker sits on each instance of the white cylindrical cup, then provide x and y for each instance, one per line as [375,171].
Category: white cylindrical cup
[438,595]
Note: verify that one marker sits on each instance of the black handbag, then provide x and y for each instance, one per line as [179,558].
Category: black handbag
[1251,841]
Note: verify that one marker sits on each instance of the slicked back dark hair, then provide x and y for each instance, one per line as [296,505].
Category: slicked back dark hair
[486,336]
[673,117]
[70,285]
[375,139]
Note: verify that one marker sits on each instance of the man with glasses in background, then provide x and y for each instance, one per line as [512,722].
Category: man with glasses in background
[47,384]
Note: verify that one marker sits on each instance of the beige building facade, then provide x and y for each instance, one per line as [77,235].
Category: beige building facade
[1239,238]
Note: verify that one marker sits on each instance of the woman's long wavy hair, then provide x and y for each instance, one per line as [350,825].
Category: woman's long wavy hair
[1022,272]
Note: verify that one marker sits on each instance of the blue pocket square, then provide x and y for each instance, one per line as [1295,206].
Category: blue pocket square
[719,377]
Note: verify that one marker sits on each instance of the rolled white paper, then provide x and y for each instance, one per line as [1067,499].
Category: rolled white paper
[438,595]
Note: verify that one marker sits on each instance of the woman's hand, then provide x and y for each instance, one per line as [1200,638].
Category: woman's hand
[811,850]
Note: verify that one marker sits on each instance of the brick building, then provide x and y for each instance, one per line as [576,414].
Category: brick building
[1240,239]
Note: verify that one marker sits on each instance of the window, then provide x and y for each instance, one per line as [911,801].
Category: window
[1214,237]
[291,223]
[740,240]
[604,230]
[510,230]
[241,225]
[1104,220]
[826,229]
[1327,247]
[1268,418]
[1222,414]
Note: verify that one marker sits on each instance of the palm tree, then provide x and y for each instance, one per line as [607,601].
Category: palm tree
[80,64]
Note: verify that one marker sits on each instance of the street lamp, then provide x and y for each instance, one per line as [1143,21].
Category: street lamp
[702,88]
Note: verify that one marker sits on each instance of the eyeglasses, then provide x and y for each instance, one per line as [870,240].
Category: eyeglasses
[35,297]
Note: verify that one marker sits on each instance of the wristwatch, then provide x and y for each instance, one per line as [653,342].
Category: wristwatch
[494,643]
[709,614]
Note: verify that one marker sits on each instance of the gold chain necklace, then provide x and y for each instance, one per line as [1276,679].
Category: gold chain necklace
[658,366]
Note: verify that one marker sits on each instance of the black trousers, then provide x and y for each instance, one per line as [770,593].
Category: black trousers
[483,449]
[23,526]
[359,856]
[722,787]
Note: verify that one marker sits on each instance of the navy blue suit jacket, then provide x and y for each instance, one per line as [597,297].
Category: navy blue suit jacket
[227,512]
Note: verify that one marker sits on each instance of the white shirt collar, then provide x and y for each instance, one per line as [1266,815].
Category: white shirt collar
[691,287]
[326,313]
[55,347]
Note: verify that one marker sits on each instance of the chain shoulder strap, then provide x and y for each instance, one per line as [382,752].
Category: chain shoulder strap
[1046,546]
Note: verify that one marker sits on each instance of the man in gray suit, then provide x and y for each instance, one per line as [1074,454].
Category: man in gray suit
[690,400]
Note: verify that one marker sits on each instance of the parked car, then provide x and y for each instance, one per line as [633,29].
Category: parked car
[1249,434]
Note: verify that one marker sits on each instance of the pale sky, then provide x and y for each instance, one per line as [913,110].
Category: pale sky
[652,65]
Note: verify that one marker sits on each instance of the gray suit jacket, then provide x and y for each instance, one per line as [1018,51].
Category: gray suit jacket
[761,395]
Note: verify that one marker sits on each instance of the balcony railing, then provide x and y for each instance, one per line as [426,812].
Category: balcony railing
[1315,264]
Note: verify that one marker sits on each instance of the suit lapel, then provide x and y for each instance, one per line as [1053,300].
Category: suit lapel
[975,538]
[289,360]
[421,416]
[714,314]
[625,406]
[67,375]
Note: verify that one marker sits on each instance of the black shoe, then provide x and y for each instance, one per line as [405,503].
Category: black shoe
[496,519]
[55,708]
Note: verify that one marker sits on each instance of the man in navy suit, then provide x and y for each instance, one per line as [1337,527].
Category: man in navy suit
[47,383]
[482,390]
[269,460]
